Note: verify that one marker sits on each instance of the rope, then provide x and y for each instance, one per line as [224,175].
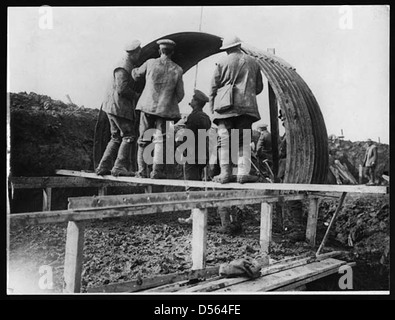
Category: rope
[200,29]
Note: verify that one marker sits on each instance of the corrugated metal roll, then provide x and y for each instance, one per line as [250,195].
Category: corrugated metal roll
[307,140]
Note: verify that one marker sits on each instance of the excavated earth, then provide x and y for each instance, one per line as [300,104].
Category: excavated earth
[48,134]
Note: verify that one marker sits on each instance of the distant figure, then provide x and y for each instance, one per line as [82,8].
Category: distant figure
[120,106]
[264,147]
[370,162]
[164,89]
[236,81]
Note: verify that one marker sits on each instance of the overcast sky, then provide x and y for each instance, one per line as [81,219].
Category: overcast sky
[341,52]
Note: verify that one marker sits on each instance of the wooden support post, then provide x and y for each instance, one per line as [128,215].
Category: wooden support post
[339,206]
[274,129]
[311,229]
[199,238]
[47,197]
[102,191]
[266,227]
[148,188]
[73,257]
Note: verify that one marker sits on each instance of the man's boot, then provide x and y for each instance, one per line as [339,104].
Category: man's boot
[244,166]
[108,158]
[225,220]
[122,163]
[224,159]
[158,168]
[142,166]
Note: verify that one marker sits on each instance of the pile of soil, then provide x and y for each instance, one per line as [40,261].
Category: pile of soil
[48,134]
[352,155]
[362,228]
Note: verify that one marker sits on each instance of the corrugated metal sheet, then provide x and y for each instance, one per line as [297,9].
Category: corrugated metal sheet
[307,145]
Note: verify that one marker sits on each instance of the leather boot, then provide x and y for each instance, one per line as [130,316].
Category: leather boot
[244,166]
[142,166]
[224,158]
[122,163]
[158,171]
[158,168]
[108,158]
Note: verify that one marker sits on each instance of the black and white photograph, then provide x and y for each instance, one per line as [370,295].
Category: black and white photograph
[198,151]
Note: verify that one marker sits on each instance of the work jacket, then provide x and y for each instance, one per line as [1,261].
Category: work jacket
[164,87]
[247,85]
[195,121]
[121,99]
[264,145]
[371,156]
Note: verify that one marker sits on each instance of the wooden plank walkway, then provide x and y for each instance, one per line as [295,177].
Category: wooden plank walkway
[286,277]
[214,185]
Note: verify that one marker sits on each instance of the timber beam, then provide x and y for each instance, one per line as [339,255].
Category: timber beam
[215,185]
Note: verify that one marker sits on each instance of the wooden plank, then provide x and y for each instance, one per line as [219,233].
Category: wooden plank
[147,283]
[311,229]
[256,186]
[59,216]
[47,199]
[114,200]
[275,267]
[225,282]
[102,191]
[199,238]
[285,277]
[297,284]
[339,207]
[182,285]
[266,227]
[73,257]
[60,182]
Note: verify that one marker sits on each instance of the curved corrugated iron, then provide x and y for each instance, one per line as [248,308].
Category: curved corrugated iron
[307,145]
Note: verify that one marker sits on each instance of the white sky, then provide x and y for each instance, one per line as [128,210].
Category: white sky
[346,69]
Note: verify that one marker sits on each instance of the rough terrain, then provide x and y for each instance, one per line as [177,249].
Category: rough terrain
[47,135]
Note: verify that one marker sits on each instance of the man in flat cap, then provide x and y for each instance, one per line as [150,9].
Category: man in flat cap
[119,105]
[264,146]
[196,120]
[238,73]
[158,103]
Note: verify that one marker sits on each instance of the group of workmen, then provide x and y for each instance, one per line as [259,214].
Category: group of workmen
[159,103]
[131,114]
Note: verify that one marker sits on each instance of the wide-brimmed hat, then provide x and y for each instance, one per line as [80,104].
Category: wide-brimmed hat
[230,42]
[135,44]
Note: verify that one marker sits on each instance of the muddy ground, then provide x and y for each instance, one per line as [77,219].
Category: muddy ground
[47,135]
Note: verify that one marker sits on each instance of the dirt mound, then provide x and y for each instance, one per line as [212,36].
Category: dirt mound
[48,134]
[352,155]
[363,229]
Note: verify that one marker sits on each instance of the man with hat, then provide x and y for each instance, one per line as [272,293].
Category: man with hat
[158,103]
[119,105]
[242,73]
[196,120]
[370,161]
[264,146]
